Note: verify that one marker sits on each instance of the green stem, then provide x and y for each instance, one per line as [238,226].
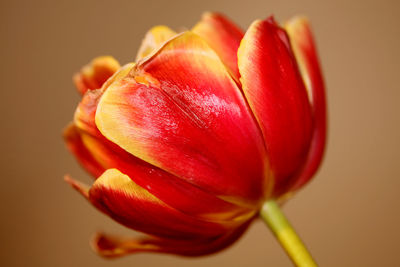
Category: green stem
[284,232]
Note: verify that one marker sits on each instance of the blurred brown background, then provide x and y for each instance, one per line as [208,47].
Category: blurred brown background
[349,214]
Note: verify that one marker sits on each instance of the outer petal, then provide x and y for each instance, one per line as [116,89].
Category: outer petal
[182,112]
[93,75]
[275,91]
[172,190]
[135,207]
[153,40]
[113,246]
[306,54]
[75,143]
[86,111]
[83,138]
[96,154]
[84,117]
[223,36]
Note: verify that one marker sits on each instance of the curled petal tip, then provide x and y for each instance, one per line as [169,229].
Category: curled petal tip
[93,75]
[109,246]
[82,188]
[153,40]
[271,19]
[223,36]
[212,15]
[75,141]
[298,19]
[208,14]
[105,246]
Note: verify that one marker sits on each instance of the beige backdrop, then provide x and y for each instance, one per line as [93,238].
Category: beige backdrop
[348,215]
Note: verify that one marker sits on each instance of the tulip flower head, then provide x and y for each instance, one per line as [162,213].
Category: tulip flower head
[189,142]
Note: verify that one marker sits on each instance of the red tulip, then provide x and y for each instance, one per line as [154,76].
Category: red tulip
[189,142]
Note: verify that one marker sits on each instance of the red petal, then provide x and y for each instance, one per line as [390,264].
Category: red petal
[182,112]
[82,188]
[113,246]
[135,207]
[97,154]
[93,75]
[84,117]
[275,91]
[73,139]
[306,54]
[83,138]
[86,111]
[172,190]
[223,36]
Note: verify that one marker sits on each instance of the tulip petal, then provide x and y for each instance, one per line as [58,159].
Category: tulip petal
[153,40]
[183,196]
[93,75]
[85,113]
[82,188]
[82,137]
[223,36]
[75,144]
[275,91]
[115,194]
[182,112]
[306,54]
[96,153]
[114,246]
[172,190]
